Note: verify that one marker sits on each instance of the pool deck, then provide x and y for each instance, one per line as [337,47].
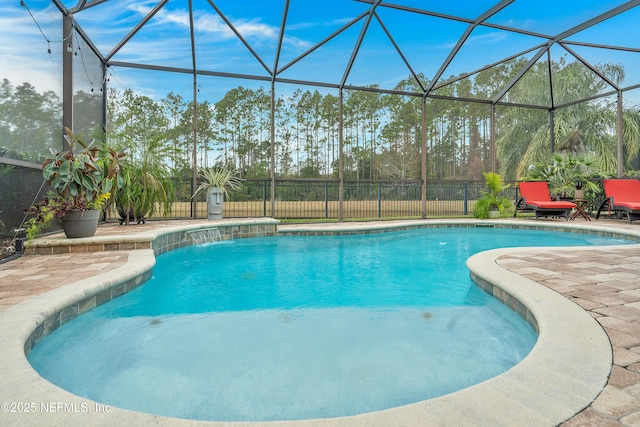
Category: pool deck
[579,285]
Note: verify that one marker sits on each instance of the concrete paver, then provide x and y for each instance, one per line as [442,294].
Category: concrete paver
[601,282]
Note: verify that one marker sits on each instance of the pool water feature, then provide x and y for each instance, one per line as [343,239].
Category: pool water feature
[203,236]
[294,328]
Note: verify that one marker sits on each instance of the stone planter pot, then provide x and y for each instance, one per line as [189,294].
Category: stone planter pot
[215,203]
[78,224]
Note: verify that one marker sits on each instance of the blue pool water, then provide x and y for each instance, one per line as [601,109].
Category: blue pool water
[290,328]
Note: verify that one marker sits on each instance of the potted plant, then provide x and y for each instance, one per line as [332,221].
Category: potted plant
[146,182]
[491,203]
[217,184]
[81,179]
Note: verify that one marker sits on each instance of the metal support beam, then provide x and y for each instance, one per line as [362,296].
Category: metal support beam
[521,73]
[321,43]
[423,194]
[283,24]
[492,147]
[397,48]
[84,5]
[356,48]
[550,76]
[272,132]
[242,39]
[619,132]
[552,130]
[462,76]
[340,155]
[194,176]
[105,98]
[272,113]
[591,67]
[85,38]
[67,79]
[463,38]
[598,19]
[141,24]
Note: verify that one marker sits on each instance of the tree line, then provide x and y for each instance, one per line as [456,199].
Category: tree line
[382,132]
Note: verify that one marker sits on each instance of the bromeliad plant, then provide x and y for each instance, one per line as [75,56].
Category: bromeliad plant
[80,178]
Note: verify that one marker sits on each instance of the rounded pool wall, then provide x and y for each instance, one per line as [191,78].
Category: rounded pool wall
[564,372]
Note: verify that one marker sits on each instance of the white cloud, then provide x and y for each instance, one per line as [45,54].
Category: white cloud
[315,24]
[483,39]
[488,38]
[23,49]
[256,29]
[209,23]
[525,24]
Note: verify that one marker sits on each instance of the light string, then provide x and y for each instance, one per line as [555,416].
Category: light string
[69,47]
[47,39]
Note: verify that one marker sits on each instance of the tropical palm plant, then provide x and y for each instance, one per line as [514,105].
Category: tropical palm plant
[524,137]
[140,125]
[564,171]
[492,199]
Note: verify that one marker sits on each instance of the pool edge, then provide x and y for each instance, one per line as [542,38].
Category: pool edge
[551,382]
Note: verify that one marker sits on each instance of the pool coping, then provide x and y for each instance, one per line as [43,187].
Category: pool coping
[565,371]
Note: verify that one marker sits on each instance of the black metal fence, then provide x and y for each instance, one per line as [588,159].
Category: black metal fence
[320,199]
[295,199]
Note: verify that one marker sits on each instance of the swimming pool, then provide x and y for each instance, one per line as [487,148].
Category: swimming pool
[170,315]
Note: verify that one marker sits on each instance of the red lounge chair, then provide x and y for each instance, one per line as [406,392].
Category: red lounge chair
[534,195]
[622,195]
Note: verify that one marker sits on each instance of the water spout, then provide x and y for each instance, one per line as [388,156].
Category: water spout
[203,236]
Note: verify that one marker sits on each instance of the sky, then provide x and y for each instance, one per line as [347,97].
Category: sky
[425,42]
